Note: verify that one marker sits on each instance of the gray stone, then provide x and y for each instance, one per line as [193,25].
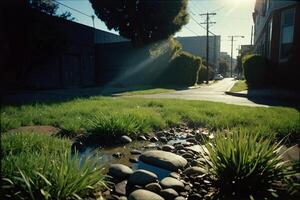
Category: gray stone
[163,139]
[153,139]
[120,188]
[141,194]
[187,155]
[195,196]
[174,175]
[168,194]
[198,149]
[180,198]
[134,160]
[173,183]
[143,138]
[142,177]
[163,159]
[194,171]
[179,147]
[167,148]
[192,140]
[125,139]
[119,171]
[153,187]
[117,155]
[151,145]
[182,151]
[135,152]
[122,198]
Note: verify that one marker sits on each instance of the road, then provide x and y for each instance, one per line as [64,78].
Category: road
[213,92]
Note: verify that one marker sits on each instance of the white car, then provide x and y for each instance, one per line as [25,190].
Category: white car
[218,77]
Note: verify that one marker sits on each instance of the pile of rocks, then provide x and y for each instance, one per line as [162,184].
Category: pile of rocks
[181,158]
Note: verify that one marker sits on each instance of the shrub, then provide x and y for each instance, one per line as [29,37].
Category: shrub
[182,70]
[202,74]
[255,70]
[245,164]
[38,166]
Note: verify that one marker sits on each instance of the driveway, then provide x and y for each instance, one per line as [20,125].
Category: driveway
[214,92]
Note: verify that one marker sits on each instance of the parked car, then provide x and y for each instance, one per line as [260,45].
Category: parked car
[218,77]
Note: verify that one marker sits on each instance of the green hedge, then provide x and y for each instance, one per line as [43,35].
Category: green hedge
[202,74]
[255,69]
[182,70]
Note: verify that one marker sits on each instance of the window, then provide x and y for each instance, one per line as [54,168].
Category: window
[287,33]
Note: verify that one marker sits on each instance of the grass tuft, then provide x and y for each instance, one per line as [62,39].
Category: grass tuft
[38,166]
[244,165]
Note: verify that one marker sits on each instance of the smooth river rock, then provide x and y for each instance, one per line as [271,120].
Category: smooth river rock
[167,147]
[142,177]
[194,171]
[173,183]
[153,187]
[119,171]
[163,159]
[169,194]
[125,139]
[141,194]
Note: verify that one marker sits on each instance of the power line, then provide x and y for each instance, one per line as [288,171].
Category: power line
[201,25]
[72,8]
[78,11]
[191,30]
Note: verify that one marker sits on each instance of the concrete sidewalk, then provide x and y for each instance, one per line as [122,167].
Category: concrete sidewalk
[267,93]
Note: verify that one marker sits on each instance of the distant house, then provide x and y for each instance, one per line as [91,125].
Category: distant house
[197,45]
[277,31]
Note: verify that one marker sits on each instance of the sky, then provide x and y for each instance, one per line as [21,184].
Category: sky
[233,17]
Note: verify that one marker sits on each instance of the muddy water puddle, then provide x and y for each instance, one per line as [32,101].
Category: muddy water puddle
[122,154]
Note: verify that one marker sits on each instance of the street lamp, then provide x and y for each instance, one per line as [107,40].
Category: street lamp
[232,39]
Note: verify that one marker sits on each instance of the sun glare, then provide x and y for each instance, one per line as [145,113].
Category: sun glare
[237,2]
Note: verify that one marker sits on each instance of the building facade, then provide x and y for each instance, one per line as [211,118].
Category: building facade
[277,31]
[197,45]
[74,66]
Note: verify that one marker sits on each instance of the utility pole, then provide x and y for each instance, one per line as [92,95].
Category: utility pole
[232,40]
[207,41]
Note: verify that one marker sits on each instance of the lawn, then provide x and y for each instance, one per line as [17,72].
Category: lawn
[40,166]
[147,91]
[239,86]
[133,116]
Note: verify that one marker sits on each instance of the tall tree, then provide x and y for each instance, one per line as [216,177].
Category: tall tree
[49,7]
[223,67]
[142,21]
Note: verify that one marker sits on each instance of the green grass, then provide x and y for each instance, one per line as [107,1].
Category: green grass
[135,116]
[239,86]
[147,91]
[246,165]
[36,166]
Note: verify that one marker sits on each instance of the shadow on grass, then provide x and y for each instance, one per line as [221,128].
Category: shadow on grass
[27,97]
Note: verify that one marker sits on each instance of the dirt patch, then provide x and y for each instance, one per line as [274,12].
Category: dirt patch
[51,130]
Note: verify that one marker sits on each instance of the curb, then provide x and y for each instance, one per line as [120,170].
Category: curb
[236,94]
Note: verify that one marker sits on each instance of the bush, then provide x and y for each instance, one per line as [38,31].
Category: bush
[202,74]
[182,70]
[246,165]
[255,70]
[38,166]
